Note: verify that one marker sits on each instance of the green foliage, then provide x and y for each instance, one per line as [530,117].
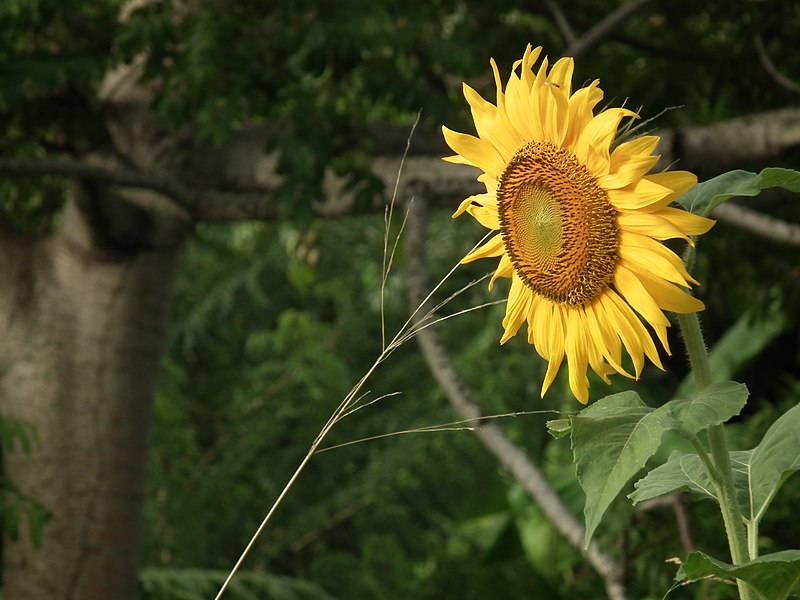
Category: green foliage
[14,505]
[740,344]
[196,584]
[17,434]
[613,439]
[706,196]
[273,323]
[759,472]
[773,576]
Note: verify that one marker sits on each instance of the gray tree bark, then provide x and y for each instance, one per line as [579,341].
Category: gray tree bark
[84,316]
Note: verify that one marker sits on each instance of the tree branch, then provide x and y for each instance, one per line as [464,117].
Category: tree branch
[490,434]
[778,77]
[233,183]
[603,28]
[561,22]
[758,223]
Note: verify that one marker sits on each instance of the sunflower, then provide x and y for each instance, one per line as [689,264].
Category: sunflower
[578,224]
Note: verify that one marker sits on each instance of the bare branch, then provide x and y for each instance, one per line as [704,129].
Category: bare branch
[778,77]
[603,28]
[759,223]
[490,434]
[561,22]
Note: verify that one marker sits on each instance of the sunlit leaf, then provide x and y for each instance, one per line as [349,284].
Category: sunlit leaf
[559,428]
[775,457]
[706,196]
[772,576]
[714,405]
[612,440]
[684,472]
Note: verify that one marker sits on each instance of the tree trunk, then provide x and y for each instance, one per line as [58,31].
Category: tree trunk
[85,319]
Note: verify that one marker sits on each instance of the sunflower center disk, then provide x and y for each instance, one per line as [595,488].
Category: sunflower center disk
[558,227]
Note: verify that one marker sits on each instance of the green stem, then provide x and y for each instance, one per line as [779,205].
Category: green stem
[722,473]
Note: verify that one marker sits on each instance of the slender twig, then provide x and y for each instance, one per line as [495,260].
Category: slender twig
[451,426]
[387,223]
[345,407]
[490,434]
[782,80]
[603,28]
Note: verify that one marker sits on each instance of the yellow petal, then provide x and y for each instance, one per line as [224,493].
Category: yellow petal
[650,224]
[554,110]
[494,247]
[639,195]
[669,297]
[528,60]
[631,288]
[557,335]
[654,256]
[634,336]
[576,357]
[635,294]
[485,215]
[490,125]
[627,172]
[598,135]
[475,151]
[477,199]
[688,223]
[581,105]
[489,182]
[641,146]
[604,336]
[516,309]
[679,182]
[522,113]
[504,269]
[561,75]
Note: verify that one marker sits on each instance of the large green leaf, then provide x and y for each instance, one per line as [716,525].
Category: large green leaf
[758,473]
[613,438]
[685,472]
[611,441]
[772,576]
[714,405]
[774,459]
[706,196]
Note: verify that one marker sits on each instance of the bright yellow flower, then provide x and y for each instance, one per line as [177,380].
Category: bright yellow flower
[577,223]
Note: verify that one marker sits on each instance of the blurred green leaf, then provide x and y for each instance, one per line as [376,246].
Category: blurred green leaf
[742,342]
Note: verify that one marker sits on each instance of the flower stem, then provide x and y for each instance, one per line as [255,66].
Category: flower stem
[723,473]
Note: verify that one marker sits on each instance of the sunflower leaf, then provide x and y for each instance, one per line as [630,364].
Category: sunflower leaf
[684,472]
[772,576]
[706,196]
[559,428]
[714,405]
[775,457]
[611,441]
